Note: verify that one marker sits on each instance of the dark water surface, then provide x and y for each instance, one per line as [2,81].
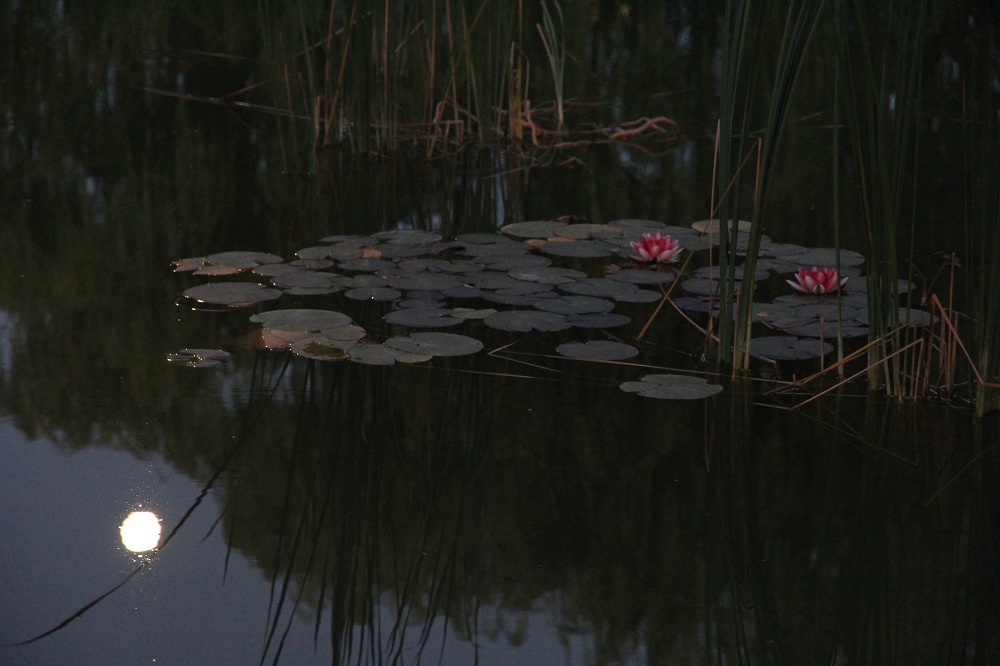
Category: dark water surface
[511,508]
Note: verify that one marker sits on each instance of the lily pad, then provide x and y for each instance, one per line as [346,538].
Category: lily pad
[787,348]
[408,236]
[827,256]
[423,281]
[581,249]
[712,226]
[598,320]
[301,319]
[423,317]
[598,350]
[506,262]
[321,348]
[527,320]
[585,231]
[672,387]
[571,305]
[376,354]
[433,343]
[536,229]
[239,259]
[232,294]
[199,358]
[372,294]
[642,276]
[546,274]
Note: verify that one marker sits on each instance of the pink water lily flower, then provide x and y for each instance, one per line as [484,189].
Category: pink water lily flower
[654,247]
[816,281]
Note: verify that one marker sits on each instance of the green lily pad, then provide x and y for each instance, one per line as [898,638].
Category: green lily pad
[376,354]
[239,259]
[712,226]
[672,387]
[301,319]
[232,294]
[827,256]
[321,348]
[423,281]
[537,229]
[642,276]
[506,262]
[787,348]
[581,249]
[598,320]
[586,231]
[407,236]
[423,317]
[527,320]
[546,274]
[598,350]
[317,253]
[372,294]
[366,265]
[571,305]
[303,278]
[435,344]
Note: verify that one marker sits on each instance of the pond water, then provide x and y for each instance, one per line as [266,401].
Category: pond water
[511,506]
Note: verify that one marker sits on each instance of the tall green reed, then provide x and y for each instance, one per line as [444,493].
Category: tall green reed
[747,28]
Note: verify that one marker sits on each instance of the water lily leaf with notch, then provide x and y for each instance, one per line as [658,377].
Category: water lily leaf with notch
[697,304]
[232,294]
[712,226]
[191,264]
[524,321]
[423,281]
[579,249]
[573,305]
[301,319]
[302,278]
[435,344]
[372,294]
[598,350]
[311,264]
[366,265]
[911,317]
[440,266]
[423,317]
[672,387]
[524,296]
[639,227]
[546,274]
[407,236]
[199,358]
[241,259]
[506,262]
[587,231]
[404,250]
[345,332]
[623,292]
[322,348]
[534,229]
[826,310]
[376,354]
[598,320]
[787,348]
[827,330]
[701,286]
[316,253]
[642,276]
[827,256]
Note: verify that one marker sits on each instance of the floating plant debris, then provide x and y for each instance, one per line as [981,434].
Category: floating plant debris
[199,358]
[598,350]
[672,387]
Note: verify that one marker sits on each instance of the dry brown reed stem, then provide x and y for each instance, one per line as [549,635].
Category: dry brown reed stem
[861,372]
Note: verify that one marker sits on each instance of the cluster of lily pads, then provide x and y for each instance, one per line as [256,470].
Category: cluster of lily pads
[514,281]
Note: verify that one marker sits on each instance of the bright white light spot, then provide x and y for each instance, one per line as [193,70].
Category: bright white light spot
[140,531]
